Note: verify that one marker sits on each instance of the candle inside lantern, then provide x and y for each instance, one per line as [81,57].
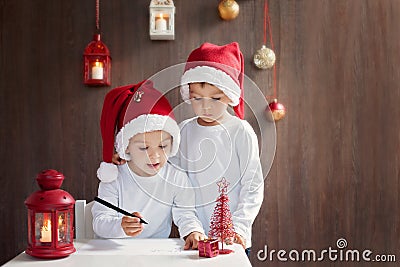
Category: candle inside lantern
[161,24]
[46,232]
[97,71]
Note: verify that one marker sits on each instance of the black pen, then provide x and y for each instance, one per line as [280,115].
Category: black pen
[111,206]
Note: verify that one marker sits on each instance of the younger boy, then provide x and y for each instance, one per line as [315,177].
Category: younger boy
[147,135]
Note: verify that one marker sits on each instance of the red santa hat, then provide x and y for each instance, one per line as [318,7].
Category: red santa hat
[221,66]
[127,111]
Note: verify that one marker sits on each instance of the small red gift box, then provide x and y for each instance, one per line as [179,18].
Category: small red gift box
[208,248]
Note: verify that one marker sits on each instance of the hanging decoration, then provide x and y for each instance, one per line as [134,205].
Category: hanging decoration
[162,25]
[221,225]
[278,110]
[228,9]
[97,60]
[265,59]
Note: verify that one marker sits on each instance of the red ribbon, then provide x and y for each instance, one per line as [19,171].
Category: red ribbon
[267,28]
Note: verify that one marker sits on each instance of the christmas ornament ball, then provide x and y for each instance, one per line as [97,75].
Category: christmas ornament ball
[276,110]
[264,58]
[228,9]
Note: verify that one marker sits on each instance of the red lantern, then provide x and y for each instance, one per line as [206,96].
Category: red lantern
[97,62]
[50,218]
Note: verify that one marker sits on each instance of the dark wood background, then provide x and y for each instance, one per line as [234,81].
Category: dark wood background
[336,168]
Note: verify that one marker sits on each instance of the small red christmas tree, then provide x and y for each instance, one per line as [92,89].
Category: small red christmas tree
[221,226]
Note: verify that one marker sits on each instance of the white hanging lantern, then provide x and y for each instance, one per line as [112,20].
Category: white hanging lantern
[162,13]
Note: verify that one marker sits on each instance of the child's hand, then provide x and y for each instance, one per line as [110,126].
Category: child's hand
[117,160]
[192,240]
[239,240]
[131,225]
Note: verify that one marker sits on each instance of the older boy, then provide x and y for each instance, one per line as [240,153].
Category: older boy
[216,144]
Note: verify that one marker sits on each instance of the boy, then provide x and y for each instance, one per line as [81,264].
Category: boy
[216,144]
[147,135]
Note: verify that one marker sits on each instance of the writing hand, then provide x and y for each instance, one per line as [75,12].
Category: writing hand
[131,225]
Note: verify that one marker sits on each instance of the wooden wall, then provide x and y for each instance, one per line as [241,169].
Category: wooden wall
[336,168]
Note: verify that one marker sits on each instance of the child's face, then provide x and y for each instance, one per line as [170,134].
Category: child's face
[208,102]
[149,152]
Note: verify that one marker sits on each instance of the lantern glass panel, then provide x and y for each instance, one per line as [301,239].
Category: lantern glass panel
[96,69]
[162,21]
[43,233]
[29,227]
[64,229]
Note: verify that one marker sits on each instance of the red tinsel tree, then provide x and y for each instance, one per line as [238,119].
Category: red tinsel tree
[221,226]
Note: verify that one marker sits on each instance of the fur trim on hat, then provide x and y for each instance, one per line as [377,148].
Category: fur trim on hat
[107,172]
[212,76]
[143,124]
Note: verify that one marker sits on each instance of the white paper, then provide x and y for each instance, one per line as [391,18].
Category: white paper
[132,247]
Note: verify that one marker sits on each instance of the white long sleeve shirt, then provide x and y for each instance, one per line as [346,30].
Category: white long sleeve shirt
[230,150]
[160,199]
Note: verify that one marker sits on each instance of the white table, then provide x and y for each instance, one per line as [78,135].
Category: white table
[135,252]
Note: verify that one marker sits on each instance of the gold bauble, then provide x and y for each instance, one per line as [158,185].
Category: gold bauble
[228,9]
[264,58]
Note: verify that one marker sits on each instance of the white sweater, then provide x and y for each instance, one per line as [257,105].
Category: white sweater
[159,199]
[229,150]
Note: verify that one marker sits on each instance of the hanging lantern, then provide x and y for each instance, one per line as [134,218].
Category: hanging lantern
[264,58]
[97,63]
[96,57]
[276,110]
[50,218]
[228,9]
[162,13]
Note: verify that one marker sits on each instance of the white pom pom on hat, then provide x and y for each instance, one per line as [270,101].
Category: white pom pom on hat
[107,172]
